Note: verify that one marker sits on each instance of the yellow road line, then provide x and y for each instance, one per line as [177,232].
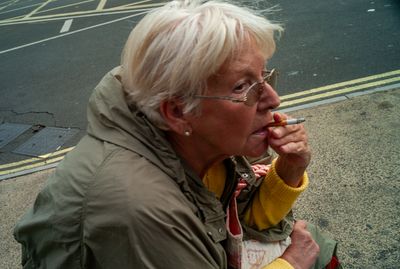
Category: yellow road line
[341,84]
[136,14]
[43,17]
[136,6]
[71,14]
[56,153]
[51,157]
[13,18]
[38,8]
[52,18]
[341,91]
[9,4]
[8,165]
[6,3]
[19,8]
[61,7]
[136,3]
[33,160]
[49,161]
[101,5]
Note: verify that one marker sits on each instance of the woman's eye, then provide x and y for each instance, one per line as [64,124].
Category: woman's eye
[241,87]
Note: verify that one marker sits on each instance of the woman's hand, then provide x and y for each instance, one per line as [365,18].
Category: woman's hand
[290,142]
[303,251]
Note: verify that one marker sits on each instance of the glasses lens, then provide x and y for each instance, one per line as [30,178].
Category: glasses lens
[254,94]
[271,78]
[255,91]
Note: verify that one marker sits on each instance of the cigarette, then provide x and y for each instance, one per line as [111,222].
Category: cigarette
[286,122]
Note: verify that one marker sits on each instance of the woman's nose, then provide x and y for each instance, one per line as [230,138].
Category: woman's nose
[269,98]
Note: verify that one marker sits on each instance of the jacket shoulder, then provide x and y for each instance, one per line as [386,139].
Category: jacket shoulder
[136,212]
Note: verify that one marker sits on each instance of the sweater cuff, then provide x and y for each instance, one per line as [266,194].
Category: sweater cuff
[275,185]
[279,264]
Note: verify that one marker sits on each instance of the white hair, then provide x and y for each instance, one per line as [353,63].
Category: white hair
[174,49]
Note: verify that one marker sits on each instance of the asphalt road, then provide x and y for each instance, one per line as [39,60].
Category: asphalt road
[326,42]
[46,77]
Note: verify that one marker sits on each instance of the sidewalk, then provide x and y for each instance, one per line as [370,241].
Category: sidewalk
[353,194]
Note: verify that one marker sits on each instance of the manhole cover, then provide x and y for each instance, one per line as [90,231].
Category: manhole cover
[47,140]
[10,131]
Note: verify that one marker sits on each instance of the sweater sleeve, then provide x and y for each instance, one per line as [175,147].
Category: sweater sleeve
[273,200]
[279,264]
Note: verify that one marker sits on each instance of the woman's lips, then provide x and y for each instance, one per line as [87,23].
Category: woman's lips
[262,131]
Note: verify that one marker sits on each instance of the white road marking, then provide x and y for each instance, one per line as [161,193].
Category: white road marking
[9,3]
[66,26]
[61,7]
[73,32]
[16,9]
[37,9]
[79,14]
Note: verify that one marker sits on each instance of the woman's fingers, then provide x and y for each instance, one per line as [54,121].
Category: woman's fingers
[288,139]
[303,251]
[290,142]
[278,117]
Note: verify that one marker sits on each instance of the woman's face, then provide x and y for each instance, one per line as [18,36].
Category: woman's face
[225,128]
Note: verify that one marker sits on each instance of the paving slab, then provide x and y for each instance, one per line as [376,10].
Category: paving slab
[16,196]
[355,177]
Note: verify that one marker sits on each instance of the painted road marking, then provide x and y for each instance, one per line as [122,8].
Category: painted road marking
[341,84]
[73,32]
[109,11]
[52,159]
[346,87]
[72,15]
[61,7]
[66,26]
[129,6]
[8,4]
[340,91]
[137,3]
[33,164]
[338,98]
[101,5]
[16,9]
[36,159]
[37,9]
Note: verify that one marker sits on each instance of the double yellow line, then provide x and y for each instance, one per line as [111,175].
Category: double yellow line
[341,88]
[289,100]
[33,163]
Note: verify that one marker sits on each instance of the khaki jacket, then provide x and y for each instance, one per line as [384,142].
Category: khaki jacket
[123,199]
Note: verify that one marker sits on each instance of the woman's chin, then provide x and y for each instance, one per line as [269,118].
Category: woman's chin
[257,151]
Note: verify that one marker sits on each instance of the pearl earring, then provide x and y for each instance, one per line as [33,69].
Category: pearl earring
[187,133]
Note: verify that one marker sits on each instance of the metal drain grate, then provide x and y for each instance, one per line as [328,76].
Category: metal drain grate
[10,131]
[46,141]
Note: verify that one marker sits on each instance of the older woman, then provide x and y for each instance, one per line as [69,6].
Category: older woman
[149,184]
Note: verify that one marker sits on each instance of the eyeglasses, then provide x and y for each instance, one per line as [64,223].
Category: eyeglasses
[250,95]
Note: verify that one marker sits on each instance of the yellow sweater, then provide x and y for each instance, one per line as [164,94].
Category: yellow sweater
[270,205]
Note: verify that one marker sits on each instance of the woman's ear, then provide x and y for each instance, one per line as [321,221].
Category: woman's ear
[172,112]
